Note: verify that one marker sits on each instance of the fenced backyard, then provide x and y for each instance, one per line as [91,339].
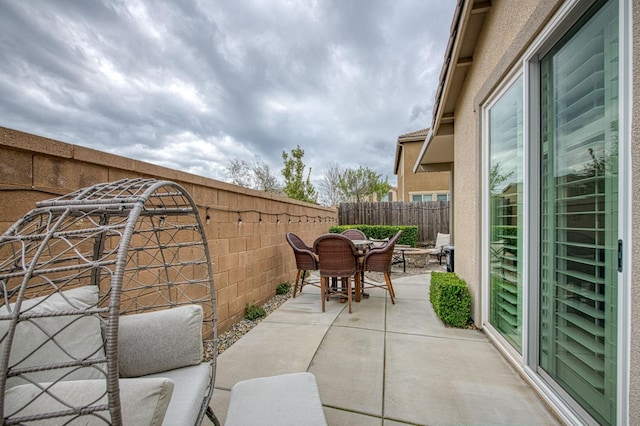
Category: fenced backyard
[431,217]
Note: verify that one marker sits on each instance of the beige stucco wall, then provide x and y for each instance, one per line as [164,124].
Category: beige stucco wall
[411,182]
[250,259]
[501,27]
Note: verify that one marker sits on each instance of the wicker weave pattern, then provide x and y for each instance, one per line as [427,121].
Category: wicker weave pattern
[305,261]
[337,255]
[140,241]
[354,234]
[379,259]
[338,259]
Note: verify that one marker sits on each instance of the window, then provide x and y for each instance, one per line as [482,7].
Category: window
[505,186]
[421,197]
[430,196]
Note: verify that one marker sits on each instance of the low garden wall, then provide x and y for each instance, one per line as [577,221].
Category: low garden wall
[245,228]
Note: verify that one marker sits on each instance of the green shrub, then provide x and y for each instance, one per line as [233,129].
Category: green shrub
[283,288]
[254,312]
[409,233]
[450,298]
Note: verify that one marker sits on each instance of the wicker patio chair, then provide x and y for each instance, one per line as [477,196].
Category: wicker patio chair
[338,259]
[379,260]
[305,261]
[354,234]
[107,301]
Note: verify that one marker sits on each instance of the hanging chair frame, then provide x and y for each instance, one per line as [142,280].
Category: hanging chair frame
[141,242]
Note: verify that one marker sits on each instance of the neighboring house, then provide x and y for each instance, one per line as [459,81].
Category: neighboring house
[538,110]
[392,195]
[433,186]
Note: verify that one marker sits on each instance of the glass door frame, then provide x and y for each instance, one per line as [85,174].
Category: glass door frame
[529,68]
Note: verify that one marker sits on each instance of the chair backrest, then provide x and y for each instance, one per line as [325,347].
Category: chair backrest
[379,259]
[443,240]
[305,259]
[379,242]
[337,254]
[354,234]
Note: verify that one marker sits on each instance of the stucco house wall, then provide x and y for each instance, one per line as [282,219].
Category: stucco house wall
[407,151]
[490,61]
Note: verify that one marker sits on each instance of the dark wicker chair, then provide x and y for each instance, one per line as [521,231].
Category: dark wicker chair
[354,234]
[338,259]
[379,260]
[305,261]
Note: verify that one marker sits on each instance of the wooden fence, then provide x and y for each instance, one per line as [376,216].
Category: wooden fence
[431,217]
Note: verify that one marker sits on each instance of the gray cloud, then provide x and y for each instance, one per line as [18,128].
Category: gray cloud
[192,84]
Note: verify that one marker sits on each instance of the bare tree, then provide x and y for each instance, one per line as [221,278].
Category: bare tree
[257,176]
[264,180]
[329,187]
[239,172]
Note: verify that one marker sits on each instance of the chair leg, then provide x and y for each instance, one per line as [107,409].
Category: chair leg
[359,285]
[295,287]
[324,289]
[212,416]
[349,292]
[392,293]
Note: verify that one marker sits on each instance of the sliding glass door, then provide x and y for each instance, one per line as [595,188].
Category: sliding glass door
[578,212]
[505,210]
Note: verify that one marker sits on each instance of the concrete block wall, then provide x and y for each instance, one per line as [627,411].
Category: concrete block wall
[245,230]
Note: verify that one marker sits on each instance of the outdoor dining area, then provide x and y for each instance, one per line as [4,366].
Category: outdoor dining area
[343,259]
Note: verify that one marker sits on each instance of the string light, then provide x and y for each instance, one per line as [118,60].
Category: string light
[290,217]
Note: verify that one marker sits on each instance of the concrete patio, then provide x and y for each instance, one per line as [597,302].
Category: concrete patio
[383,364]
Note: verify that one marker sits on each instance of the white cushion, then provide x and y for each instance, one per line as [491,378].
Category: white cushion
[76,336]
[159,341]
[143,401]
[287,399]
[191,389]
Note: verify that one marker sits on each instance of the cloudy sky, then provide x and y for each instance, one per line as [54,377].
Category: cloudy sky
[193,84]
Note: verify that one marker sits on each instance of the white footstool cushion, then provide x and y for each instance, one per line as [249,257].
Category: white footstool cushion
[288,399]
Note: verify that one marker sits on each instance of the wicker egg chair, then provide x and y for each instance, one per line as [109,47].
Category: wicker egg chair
[107,300]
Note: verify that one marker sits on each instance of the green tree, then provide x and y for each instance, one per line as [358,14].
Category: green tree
[296,186]
[361,184]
